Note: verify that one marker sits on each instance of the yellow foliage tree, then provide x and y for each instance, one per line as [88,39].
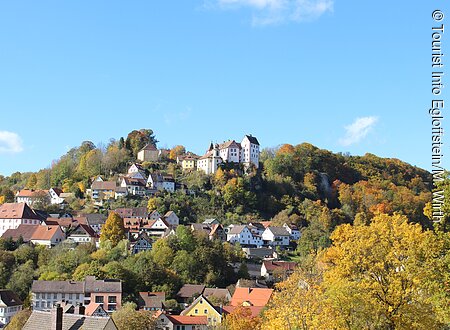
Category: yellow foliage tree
[241,318]
[2,200]
[389,274]
[379,276]
[113,230]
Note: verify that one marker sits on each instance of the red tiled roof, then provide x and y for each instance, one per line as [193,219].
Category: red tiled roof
[45,232]
[17,211]
[31,193]
[103,185]
[286,265]
[254,309]
[26,231]
[187,320]
[255,296]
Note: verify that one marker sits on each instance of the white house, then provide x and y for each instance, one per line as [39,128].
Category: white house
[230,151]
[156,227]
[250,150]
[135,187]
[277,270]
[168,183]
[135,171]
[293,231]
[181,322]
[10,304]
[171,218]
[210,161]
[276,236]
[55,196]
[241,234]
[48,235]
[14,214]
[83,234]
[155,181]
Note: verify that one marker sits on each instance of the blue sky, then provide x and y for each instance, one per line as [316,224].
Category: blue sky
[350,76]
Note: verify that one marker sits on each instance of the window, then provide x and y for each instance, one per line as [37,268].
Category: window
[112,299]
[78,296]
[55,295]
[70,295]
[196,311]
[205,311]
[99,300]
[63,296]
[38,295]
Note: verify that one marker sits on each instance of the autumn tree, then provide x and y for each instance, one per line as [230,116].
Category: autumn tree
[128,318]
[177,151]
[241,318]
[383,275]
[19,319]
[113,230]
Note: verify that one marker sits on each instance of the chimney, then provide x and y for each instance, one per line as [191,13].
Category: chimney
[56,318]
[80,309]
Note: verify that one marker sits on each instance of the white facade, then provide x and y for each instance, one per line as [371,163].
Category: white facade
[55,197]
[230,152]
[169,185]
[8,308]
[210,161]
[293,231]
[272,238]
[250,151]
[243,236]
[45,301]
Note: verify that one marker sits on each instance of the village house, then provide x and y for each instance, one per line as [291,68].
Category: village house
[158,181]
[135,187]
[148,154]
[180,322]
[171,218]
[188,292]
[293,231]
[95,309]
[107,293]
[83,233]
[203,307]
[276,236]
[14,214]
[188,161]
[47,235]
[133,212]
[95,221]
[31,197]
[56,319]
[151,301]
[156,227]
[10,304]
[135,171]
[251,297]
[142,243]
[277,271]
[103,190]
[241,234]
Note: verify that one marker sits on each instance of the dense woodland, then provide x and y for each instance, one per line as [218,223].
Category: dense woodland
[369,256]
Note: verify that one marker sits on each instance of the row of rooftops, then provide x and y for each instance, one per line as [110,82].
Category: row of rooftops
[89,285]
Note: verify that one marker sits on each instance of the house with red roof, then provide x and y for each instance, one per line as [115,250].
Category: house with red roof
[14,214]
[277,270]
[181,322]
[251,297]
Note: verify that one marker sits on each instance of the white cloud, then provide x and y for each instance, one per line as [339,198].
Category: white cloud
[172,117]
[269,12]
[10,142]
[358,130]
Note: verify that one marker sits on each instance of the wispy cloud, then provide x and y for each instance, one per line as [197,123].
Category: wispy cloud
[10,142]
[358,130]
[270,12]
[172,117]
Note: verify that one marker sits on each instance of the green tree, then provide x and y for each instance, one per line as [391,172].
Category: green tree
[127,318]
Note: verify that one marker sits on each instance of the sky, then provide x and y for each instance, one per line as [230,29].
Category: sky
[347,76]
